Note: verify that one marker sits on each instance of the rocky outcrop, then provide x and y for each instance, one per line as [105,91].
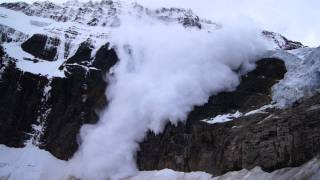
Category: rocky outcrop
[82,55]
[272,140]
[41,46]
[73,101]
[281,41]
[100,59]
[103,60]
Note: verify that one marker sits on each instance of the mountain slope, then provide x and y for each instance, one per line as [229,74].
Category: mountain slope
[57,64]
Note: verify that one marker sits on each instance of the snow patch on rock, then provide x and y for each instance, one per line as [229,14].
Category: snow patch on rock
[223,118]
[229,117]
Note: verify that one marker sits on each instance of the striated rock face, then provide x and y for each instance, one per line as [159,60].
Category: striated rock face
[272,140]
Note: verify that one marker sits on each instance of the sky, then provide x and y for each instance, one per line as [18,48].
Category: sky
[296,19]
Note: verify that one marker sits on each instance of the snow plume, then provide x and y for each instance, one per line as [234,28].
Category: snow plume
[164,71]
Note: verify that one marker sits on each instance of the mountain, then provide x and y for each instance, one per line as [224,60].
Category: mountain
[53,73]
[54,68]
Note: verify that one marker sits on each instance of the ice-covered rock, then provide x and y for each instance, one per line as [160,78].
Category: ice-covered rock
[303,76]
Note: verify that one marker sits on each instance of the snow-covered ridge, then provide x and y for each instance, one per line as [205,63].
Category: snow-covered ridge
[105,13]
[282,42]
[73,23]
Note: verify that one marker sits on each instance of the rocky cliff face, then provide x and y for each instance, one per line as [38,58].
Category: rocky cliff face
[53,76]
[47,109]
[272,139]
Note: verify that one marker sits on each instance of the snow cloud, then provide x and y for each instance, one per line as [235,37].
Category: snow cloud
[164,71]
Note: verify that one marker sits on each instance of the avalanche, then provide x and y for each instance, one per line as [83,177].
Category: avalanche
[164,71]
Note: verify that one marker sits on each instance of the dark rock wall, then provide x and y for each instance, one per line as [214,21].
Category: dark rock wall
[60,105]
[275,140]
[102,54]
[20,99]
[73,101]
[272,140]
